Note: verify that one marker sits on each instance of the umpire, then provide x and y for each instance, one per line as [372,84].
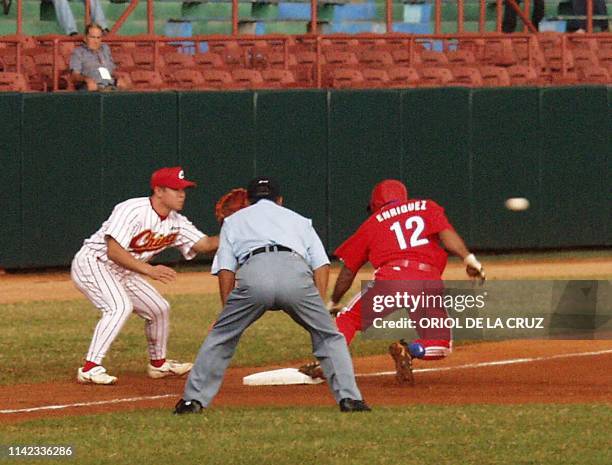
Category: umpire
[281,264]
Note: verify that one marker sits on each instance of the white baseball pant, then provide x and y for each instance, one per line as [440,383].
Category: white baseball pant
[116,296]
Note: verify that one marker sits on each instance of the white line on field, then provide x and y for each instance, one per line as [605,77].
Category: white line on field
[382,373]
[88,404]
[495,363]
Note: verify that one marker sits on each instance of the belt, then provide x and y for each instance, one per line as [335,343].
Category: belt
[410,264]
[265,249]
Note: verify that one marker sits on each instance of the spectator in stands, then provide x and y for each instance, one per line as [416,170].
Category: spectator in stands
[91,64]
[579,7]
[65,18]
[509,21]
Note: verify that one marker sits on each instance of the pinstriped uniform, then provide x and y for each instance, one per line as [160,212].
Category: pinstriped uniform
[116,291]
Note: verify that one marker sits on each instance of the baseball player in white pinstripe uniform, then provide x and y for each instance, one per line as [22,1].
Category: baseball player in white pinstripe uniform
[111,266]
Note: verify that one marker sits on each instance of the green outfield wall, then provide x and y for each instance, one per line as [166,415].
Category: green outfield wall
[66,159]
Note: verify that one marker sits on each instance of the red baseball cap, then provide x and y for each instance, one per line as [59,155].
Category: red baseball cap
[174,178]
[385,192]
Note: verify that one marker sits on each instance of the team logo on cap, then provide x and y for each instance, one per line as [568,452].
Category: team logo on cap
[181,174]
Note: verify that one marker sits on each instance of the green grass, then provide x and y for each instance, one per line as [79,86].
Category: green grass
[60,332]
[424,435]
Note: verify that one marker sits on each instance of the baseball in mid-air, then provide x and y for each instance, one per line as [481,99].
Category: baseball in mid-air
[517,204]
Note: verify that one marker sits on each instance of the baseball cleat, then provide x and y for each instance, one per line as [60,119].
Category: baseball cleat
[312,369]
[403,363]
[169,368]
[97,375]
[352,405]
[187,406]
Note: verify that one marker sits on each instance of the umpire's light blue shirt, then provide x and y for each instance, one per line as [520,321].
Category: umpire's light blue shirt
[267,223]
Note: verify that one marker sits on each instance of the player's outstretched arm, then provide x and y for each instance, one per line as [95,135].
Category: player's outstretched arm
[454,244]
[343,284]
[207,244]
[125,259]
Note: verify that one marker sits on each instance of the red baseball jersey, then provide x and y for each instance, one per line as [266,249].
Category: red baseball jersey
[399,231]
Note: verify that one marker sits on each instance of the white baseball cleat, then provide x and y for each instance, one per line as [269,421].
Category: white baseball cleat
[97,375]
[169,368]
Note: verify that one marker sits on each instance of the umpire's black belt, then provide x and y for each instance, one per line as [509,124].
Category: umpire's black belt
[264,249]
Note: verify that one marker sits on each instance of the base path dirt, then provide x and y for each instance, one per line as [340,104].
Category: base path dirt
[533,372]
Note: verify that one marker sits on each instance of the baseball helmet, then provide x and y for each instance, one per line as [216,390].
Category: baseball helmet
[386,192]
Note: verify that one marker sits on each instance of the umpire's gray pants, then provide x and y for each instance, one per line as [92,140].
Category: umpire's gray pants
[273,280]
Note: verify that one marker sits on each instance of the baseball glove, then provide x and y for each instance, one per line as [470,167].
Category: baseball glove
[312,369]
[230,203]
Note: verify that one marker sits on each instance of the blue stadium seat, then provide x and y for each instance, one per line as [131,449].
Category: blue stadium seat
[355,12]
[298,11]
[353,27]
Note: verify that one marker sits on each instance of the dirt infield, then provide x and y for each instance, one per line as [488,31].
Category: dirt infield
[535,372]
[530,372]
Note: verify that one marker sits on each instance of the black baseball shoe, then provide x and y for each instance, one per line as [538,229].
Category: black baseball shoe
[352,405]
[187,406]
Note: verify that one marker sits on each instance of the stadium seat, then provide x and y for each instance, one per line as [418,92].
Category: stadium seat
[434,76]
[223,46]
[335,58]
[605,57]
[208,60]
[460,57]
[584,58]
[146,60]
[13,82]
[499,53]
[346,77]
[66,49]
[123,60]
[465,76]
[595,75]
[304,71]
[274,77]
[376,59]
[476,46]
[10,63]
[556,60]
[549,40]
[233,57]
[522,75]
[430,58]
[187,79]
[42,78]
[124,76]
[494,76]
[217,78]
[375,77]
[144,79]
[402,76]
[529,51]
[176,60]
[403,57]
[339,45]
[247,78]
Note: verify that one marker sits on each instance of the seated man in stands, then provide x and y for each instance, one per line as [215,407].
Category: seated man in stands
[65,18]
[91,64]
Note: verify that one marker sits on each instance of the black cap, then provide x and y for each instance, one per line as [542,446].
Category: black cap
[263,187]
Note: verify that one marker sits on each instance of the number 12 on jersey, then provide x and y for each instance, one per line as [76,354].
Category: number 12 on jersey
[414,224]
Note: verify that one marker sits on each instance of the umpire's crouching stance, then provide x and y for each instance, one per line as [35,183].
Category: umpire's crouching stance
[281,264]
